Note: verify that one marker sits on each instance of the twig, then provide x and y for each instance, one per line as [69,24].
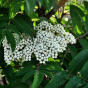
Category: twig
[82,36]
[63,14]
[50,13]
[41,11]
[53,11]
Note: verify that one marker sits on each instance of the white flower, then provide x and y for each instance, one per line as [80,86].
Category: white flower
[50,40]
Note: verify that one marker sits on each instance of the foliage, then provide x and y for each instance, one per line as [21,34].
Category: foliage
[70,69]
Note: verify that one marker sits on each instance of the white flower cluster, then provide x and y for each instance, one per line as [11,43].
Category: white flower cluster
[22,51]
[50,40]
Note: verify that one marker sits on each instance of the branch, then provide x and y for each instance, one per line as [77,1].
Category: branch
[84,35]
[63,14]
[41,10]
[53,11]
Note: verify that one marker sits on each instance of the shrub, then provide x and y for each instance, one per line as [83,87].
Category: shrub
[34,35]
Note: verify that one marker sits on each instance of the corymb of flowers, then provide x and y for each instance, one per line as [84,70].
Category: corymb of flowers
[49,41]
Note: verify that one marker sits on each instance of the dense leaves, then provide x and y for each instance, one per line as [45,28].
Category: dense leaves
[78,61]
[58,80]
[77,14]
[30,4]
[74,82]
[70,69]
[11,40]
[24,25]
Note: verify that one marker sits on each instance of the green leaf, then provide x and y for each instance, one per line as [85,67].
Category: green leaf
[50,3]
[84,71]
[74,82]
[49,68]
[86,4]
[53,66]
[38,78]
[11,40]
[86,23]
[5,86]
[58,80]
[28,75]
[1,86]
[3,21]
[13,29]
[15,6]
[73,50]
[30,4]
[2,35]
[47,72]
[4,10]
[24,25]
[40,2]
[86,86]
[78,61]
[9,73]
[76,15]
[84,43]
[19,85]
[28,68]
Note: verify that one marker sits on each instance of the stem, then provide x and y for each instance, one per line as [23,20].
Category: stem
[41,11]
[82,36]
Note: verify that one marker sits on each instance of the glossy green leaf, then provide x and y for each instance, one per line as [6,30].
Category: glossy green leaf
[28,75]
[13,29]
[2,35]
[3,21]
[47,72]
[24,25]
[38,77]
[30,4]
[84,71]
[86,4]
[58,80]
[84,43]
[86,23]
[28,68]
[74,82]
[86,86]
[78,61]
[49,68]
[19,85]
[4,10]
[11,40]
[15,7]
[53,66]
[73,51]
[50,3]
[76,15]
[9,73]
